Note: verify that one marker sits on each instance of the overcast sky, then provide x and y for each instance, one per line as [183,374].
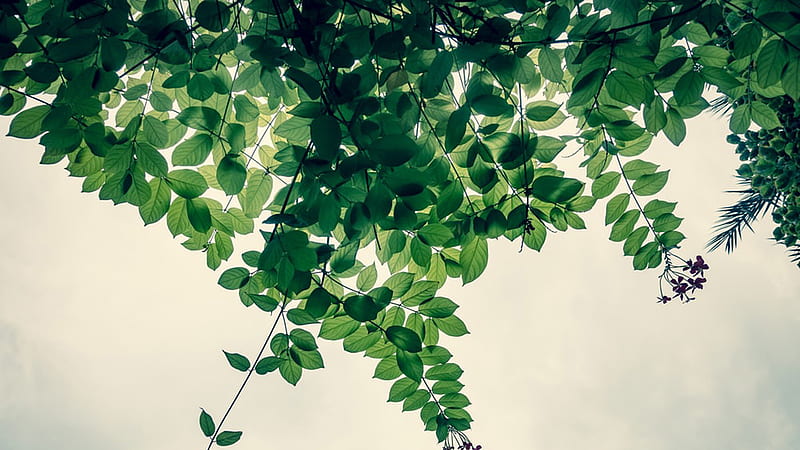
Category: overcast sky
[111,336]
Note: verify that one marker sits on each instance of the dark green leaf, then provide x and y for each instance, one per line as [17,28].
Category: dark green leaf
[605,184]
[474,258]
[234,278]
[402,388]
[410,364]
[213,15]
[404,339]
[394,150]
[446,372]
[689,88]
[438,307]
[361,308]
[650,184]
[337,327]
[326,136]
[267,365]
[228,438]
[624,225]
[187,183]
[28,123]
[200,118]
[451,326]
[237,361]
[199,214]
[207,423]
[416,400]
[231,174]
[634,241]
[555,189]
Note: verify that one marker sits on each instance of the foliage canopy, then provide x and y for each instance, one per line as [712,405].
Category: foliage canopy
[417,129]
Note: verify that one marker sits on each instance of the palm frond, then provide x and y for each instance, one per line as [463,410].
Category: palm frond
[721,105]
[794,254]
[735,218]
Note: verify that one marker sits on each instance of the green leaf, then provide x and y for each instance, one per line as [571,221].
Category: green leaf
[326,136]
[625,88]
[207,423]
[410,364]
[187,183]
[449,200]
[650,252]
[550,64]
[367,278]
[674,127]
[416,400]
[433,354]
[303,339]
[309,360]
[234,278]
[633,170]
[438,307]
[451,326]
[650,184]
[770,63]
[473,260]
[666,222]
[554,189]
[305,81]
[456,127]
[671,238]
[624,225]
[152,161]
[616,207]
[231,174]
[237,361]
[28,123]
[200,118]
[404,339]
[655,208]
[446,372]
[454,400]
[446,387]
[747,40]
[199,214]
[361,340]
[490,105]
[157,205]
[790,80]
[200,87]
[253,198]
[387,369]
[394,150]
[228,438]
[337,328]
[634,241]
[764,116]
[402,388]
[290,371]
[212,15]
[605,184]
[541,110]
[361,308]
[264,302]
[689,88]
[267,365]
[193,151]
[740,119]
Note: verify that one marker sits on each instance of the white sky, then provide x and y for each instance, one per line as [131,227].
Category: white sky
[111,336]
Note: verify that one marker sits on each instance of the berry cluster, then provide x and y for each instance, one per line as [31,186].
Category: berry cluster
[685,282]
[772,165]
